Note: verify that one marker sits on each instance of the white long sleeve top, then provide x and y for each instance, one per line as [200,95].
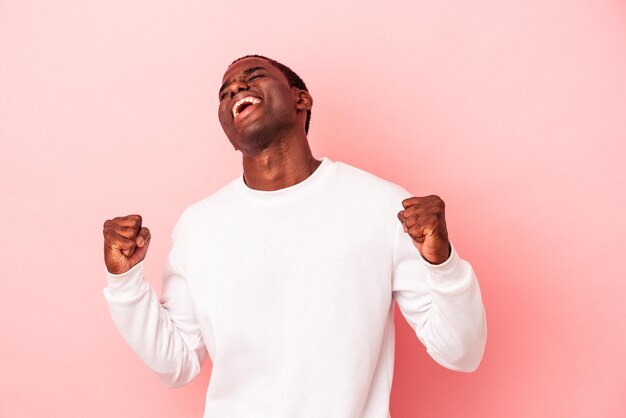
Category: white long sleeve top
[290,293]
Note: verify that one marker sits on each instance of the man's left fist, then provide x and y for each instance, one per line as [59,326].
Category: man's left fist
[423,218]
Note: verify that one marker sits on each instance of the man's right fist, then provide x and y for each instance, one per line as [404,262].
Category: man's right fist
[125,243]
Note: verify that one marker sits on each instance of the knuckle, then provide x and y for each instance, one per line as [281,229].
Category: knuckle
[127,231]
[125,243]
[415,231]
[108,231]
[411,211]
[417,212]
[437,201]
[410,201]
[435,211]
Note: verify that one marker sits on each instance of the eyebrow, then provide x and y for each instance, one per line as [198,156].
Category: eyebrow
[245,72]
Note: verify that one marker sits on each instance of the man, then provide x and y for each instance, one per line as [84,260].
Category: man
[286,276]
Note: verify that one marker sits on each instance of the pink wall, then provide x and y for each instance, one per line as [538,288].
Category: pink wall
[514,112]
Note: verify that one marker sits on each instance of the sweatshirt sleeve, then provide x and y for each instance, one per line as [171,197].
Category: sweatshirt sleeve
[442,303]
[164,333]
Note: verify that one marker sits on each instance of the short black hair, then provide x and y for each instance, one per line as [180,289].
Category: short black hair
[293,79]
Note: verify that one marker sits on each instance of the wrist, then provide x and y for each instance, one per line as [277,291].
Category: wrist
[439,257]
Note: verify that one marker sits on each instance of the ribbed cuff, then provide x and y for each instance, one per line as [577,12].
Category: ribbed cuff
[442,268]
[451,276]
[126,285]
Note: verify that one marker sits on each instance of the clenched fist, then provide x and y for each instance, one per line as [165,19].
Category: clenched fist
[423,218]
[125,243]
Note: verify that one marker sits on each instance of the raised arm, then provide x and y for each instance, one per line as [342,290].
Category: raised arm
[436,290]
[164,333]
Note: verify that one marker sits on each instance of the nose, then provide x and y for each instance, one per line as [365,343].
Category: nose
[237,86]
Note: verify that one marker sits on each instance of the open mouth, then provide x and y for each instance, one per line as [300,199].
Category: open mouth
[243,104]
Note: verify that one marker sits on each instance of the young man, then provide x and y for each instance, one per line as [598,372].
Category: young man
[286,276]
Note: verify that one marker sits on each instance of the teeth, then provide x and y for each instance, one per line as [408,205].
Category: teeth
[248,99]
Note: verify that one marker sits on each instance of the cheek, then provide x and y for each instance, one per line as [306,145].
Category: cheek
[284,105]
[222,115]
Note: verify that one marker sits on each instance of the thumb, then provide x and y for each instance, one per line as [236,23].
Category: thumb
[141,248]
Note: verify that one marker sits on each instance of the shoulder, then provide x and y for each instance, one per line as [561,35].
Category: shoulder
[208,208]
[361,181]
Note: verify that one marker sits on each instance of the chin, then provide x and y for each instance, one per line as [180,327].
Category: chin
[258,134]
[252,143]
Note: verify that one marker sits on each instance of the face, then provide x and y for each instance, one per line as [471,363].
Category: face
[257,105]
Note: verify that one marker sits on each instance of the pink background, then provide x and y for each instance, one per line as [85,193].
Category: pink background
[514,112]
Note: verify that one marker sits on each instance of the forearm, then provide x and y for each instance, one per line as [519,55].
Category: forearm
[455,330]
[173,350]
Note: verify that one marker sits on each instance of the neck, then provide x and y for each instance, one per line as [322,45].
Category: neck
[279,166]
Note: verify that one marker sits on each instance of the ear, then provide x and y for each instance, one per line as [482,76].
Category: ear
[305,101]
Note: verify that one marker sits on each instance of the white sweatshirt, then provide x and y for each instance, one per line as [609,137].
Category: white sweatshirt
[290,292]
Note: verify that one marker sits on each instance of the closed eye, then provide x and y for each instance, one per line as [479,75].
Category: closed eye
[254,76]
[223,94]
